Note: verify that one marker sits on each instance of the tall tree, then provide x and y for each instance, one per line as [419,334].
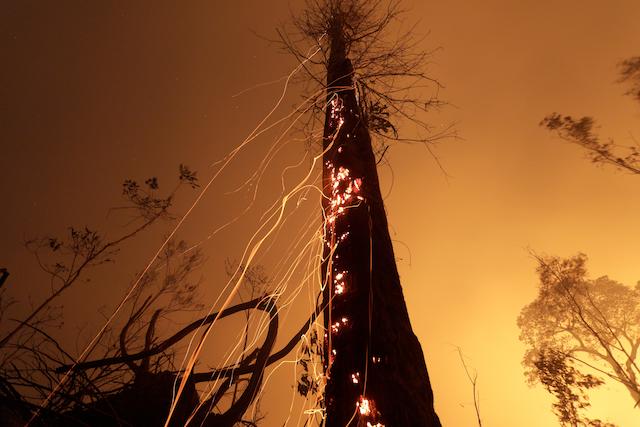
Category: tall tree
[374,365]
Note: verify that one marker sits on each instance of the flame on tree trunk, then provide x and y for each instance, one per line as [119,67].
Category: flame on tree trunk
[375,369]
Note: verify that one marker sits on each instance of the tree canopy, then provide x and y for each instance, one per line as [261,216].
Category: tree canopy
[578,328]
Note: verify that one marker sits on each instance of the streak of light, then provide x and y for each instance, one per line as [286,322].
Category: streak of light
[242,271]
[135,285]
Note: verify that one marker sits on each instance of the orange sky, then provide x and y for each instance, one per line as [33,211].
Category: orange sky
[94,94]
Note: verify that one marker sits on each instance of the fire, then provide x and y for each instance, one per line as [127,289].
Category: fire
[355,378]
[367,409]
[363,406]
[346,192]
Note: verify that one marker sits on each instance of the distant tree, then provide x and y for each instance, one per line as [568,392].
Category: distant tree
[577,328]
[581,131]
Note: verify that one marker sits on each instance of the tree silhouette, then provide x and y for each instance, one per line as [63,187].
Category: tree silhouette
[581,131]
[375,373]
[388,75]
[577,327]
[556,373]
[131,376]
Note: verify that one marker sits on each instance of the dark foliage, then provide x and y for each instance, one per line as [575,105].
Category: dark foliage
[389,68]
[130,380]
[568,385]
[582,131]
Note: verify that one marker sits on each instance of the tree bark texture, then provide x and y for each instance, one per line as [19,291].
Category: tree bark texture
[374,364]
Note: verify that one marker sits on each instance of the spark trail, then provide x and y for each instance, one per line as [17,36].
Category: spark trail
[226,161]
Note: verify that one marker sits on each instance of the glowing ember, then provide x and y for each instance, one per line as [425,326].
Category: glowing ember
[363,406]
[336,111]
[343,189]
[355,378]
[346,192]
[335,327]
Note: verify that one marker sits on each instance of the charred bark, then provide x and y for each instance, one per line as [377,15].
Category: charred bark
[375,367]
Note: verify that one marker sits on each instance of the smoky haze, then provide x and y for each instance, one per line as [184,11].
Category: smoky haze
[93,93]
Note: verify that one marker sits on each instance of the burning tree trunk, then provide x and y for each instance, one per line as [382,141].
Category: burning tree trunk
[375,368]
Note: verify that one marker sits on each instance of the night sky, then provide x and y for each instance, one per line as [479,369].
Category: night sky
[92,93]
